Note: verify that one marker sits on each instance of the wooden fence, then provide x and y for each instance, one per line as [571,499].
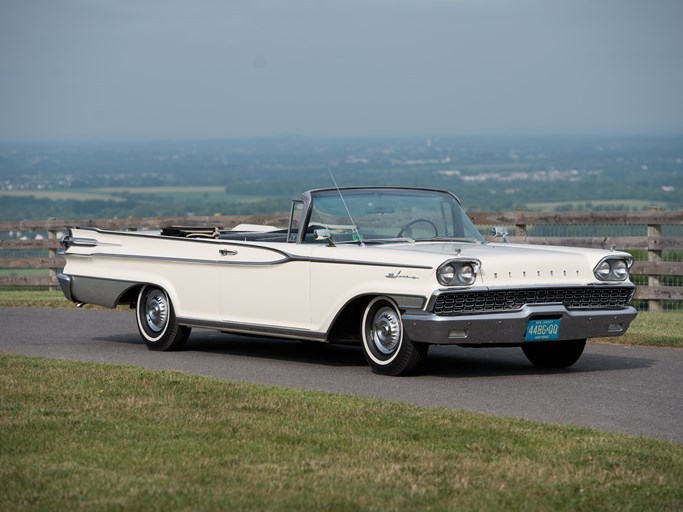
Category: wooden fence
[522,225]
[651,242]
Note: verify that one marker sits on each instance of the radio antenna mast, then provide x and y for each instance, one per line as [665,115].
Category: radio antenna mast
[355,228]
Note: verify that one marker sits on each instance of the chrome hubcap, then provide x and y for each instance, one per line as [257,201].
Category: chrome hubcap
[156,311]
[386,330]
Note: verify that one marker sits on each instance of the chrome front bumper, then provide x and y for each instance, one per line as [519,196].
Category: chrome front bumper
[509,328]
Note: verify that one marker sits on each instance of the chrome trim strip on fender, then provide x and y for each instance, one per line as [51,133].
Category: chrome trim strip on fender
[141,257]
[364,263]
[286,259]
[261,330]
[191,260]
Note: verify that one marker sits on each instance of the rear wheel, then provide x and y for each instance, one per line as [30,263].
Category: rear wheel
[557,354]
[386,347]
[157,321]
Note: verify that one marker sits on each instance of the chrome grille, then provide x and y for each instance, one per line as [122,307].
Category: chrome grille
[455,303]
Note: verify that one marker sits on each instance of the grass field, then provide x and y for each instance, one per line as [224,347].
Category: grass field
[100,437]
[654,329]
[69,195]
[161,190]
[180,194]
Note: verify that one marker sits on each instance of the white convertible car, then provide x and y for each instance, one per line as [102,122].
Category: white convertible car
[392,269]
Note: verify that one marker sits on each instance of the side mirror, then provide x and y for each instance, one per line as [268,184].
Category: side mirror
[501,232]
[324,234]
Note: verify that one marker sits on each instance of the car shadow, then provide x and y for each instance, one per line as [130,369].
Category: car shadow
[441,361]
[131,339]
[495,362]
[308,352]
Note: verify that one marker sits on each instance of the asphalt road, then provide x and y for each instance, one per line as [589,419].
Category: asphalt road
[612,388]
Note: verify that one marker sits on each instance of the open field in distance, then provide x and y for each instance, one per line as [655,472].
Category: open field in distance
[64,195]
[117,194]
[262,175]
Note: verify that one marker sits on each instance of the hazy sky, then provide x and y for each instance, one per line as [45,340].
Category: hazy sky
[156,69]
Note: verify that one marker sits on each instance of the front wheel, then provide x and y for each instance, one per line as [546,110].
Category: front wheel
[386,347]
[157,321]
[556,354]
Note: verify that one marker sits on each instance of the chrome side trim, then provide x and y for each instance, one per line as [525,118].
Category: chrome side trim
[179,260]
[254,329]
[408,301]
[365,263]
[286,259]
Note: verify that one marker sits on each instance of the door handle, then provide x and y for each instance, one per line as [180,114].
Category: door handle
[227,252]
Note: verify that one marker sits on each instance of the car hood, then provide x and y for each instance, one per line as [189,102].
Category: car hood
[517,264]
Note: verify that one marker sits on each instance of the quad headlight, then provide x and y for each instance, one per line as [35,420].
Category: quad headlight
[458,273]
[613,269]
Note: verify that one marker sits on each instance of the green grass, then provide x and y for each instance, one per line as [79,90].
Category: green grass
[40,299]
[648,329]
[33,299]
[101,437]
[654,329]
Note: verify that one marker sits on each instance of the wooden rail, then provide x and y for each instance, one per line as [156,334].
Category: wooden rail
[651,241]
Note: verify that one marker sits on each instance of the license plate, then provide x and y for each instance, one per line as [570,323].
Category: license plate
[542,330]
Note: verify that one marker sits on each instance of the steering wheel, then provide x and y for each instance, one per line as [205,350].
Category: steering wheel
[426,221]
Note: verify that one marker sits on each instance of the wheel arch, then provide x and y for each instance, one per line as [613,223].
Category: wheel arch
[130,295]
[346,326]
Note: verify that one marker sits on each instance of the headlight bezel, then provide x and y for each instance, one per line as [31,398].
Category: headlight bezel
[458,272]
[613,268]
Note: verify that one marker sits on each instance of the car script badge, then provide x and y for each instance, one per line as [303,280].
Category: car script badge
[398,275]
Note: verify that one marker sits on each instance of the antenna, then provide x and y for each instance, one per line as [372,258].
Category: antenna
[355,228]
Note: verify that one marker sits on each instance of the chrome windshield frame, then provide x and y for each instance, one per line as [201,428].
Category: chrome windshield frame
[457,217]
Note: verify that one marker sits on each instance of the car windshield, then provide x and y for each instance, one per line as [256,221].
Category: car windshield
[389,215]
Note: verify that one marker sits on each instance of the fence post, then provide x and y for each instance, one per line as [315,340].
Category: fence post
[520,228]
[52,253]
[654,231]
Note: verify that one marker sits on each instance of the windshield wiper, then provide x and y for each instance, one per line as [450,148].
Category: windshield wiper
[452,239]
[379,241]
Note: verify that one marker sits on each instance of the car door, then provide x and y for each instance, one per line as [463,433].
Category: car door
[265,285]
